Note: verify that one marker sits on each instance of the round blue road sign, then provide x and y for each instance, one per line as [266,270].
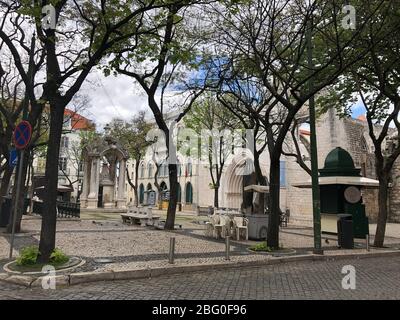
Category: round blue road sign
[22,134]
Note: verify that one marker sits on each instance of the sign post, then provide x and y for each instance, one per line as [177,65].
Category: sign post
[13,158]
[313,152]
[22,136]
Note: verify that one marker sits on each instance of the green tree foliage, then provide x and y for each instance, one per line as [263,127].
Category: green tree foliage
[213,123]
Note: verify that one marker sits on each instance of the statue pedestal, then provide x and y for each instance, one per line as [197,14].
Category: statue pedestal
[92,203]
[121,203]
[109,205]
[83,202]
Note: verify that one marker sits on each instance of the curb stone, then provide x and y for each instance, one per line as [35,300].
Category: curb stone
[132,274]
[61,280]
[20,280]
[84,277]
[4,276]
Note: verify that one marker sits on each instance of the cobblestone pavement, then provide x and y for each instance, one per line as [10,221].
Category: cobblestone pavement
[376,278]
[135,247]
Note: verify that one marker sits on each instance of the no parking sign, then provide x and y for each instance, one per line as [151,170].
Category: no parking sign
[22,135]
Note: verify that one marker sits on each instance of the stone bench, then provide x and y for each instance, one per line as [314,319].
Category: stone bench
[142,216]
[204,211]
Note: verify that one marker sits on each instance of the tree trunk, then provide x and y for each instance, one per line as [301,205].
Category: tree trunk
[135,189]
[383,209]
[133,185]
[173,196]
[49,217]
[274,194]
[216,191]
[5,183]
[20,202]
[259,176]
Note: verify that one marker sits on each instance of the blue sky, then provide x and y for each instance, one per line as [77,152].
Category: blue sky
[358,109]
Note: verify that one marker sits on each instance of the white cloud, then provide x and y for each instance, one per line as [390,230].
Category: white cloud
[112,97]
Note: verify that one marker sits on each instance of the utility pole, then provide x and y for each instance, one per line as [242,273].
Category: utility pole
[313,149]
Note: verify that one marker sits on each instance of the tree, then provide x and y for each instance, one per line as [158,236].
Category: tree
[263,45]
[237,97]
[132,135]
[71,51]
[159,62]
[18,97]
[375,80]
[207,114]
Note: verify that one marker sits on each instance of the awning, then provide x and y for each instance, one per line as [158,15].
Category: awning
[355,181]
[256,188]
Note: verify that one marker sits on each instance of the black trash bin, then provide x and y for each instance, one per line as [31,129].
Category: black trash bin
[5,211]
[345,231]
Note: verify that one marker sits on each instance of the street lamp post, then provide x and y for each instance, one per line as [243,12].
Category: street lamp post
[313,150]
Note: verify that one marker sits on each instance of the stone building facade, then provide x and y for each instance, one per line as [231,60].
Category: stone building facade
[352,135]
[348,133]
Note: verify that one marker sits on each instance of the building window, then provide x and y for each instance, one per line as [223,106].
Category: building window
[163,171]
[282,169]
[64,142]
[189,193]
[188,171]
[179,197]
[150,170]
[142,170]
[179,167]
[62,164]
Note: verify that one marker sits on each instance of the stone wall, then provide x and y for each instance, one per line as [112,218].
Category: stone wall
[394,195]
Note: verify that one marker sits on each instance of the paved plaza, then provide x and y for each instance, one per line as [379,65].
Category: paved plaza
[134,247]
[376,278]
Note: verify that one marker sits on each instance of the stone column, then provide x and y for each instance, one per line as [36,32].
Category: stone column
[121,199]
[85,185]
[94,183]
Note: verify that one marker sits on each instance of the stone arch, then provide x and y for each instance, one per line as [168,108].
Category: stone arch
[233,179]
[163,186]
[104,177]
[141,169]
[163,190]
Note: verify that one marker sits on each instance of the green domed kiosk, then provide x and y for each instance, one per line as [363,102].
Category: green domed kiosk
[340,185]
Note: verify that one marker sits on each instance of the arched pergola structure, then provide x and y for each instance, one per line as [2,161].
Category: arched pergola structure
[104,174]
